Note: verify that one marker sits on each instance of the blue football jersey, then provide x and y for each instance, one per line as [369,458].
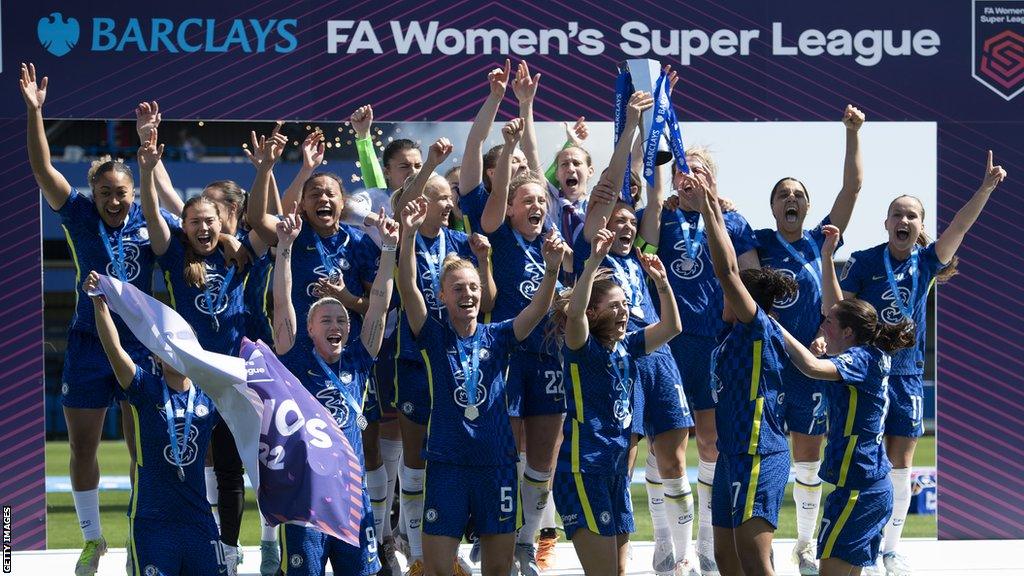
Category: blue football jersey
[258,277]
[599,402]
[472,206]
[865,275]
[697,291]
[518,272]
[461,432]
[353,371]
[747,379]
[157,493]
[217,311]
[800,314]
[854,453]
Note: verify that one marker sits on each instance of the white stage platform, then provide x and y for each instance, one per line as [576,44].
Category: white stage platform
[928,557]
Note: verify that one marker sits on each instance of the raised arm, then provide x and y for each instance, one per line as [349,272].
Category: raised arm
[949,242]
[265,152]
[472,171]
[287,230]
[369,165]
[524,322]
[497,201]
[436,155]
[723,257]
[415,307]
[147,119]
[577,328]
[525,88]
[481,248]
[831,293]
[120,361]
[380,293]
[312,158]
[670,324]
[615,174]
[159,232]
[804,360]
[55,187]
[650,225]
[853,170]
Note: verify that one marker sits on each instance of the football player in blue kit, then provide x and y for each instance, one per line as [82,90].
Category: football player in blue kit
[858,345]
[514,220]
[895,278]
[434,242]
[797,252]
[602,355]
[171,526]
[336,370]
[753,455]
[470,450]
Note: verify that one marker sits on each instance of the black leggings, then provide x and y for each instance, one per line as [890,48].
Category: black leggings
[230,484]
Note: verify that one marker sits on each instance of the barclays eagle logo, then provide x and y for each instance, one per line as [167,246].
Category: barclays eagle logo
[57,35]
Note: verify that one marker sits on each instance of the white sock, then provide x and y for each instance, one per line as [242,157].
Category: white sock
[377,490]
[268,533]
[900,478]
[87,506]
[656,500]
[412,504]
[535,495]
[679,512]
[807,496]
[705,534]
[211,492]
[547,519]
[391,453]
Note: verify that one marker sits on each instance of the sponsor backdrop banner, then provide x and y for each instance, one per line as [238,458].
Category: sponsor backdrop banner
[960,64]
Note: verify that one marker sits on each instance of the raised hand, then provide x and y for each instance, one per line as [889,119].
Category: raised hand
[673,78]
[480,246]
[413,215]
[324,288]
[266,151]
[288,229]
[853,118]
[388,229]
[993,175]
[604,193]
[577,132]
[706,182]
[602,242]
[92,285]
[654,267]
[33,93]
[498,79]
[525,86]
[439,151]
[147,119]
[553,250]
[235,254]
[361,121]
[832,234]
[313,150]
[512,132]
[638,103]
[150,153]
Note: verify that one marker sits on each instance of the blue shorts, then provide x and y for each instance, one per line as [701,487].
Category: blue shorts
[596,502]
[384,385]
[305,550]
[805,402]
[693,357]
[88,381]
[852,522]
[412,391]
[664,402]
[639,405]
[165,547]
[534,385]
[457,496]
[906,406]
[748,487]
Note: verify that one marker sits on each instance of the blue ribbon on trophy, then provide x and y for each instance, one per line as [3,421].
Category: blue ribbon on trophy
[658,123]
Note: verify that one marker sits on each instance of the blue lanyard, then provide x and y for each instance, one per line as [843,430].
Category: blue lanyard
[470,364]
[328,259]
[814,267]
[172,432]
[213,303]
[354,405]
[529,255]
[629,279]
[116,258]
[692,243]
[442,253]
[620,365]
[906,307]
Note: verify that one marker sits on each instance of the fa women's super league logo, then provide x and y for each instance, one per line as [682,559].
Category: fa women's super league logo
[997,41]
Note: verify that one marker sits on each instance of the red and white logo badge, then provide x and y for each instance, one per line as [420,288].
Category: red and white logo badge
[997,38]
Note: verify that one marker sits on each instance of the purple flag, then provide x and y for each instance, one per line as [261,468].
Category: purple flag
[309,473]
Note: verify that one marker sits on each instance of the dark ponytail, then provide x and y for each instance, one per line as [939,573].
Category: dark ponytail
[767,285]
[602,328]
[861,317]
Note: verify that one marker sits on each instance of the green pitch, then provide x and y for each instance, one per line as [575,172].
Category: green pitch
[62,525]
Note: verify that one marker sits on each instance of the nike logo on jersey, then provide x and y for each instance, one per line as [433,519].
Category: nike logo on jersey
[504,518]
[878,277]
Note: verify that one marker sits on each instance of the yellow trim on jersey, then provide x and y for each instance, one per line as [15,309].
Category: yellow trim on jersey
[520,516]
[465,224]
[133,505]
[755,427]
[838,526]
[74,258]
[847,458]
[430,389]
[755,371]
[283,539]
[135,552]
[170,290]
[575,447]
[851,411]
[588,512]
[577,392]
[755,474]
